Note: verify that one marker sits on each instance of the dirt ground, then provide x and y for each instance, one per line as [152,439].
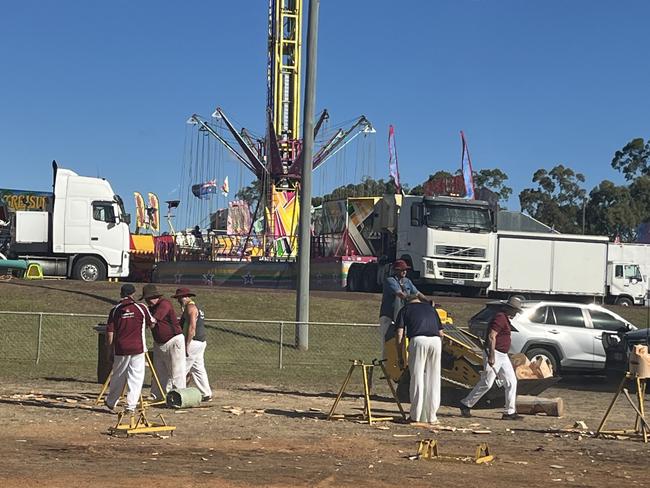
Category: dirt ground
[255,435]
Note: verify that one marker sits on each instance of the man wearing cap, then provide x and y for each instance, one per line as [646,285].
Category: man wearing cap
[192,323]
[396,288]
[496,362]
[424,330]
[125,337]
[168,342]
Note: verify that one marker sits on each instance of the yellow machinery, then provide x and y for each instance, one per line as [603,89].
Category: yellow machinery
[462,364]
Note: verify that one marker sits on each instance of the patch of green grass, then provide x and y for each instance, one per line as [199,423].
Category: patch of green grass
[236,352]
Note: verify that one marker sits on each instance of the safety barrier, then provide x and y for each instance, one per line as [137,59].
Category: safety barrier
[60,345]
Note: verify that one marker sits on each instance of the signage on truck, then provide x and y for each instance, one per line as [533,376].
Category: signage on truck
[23,200]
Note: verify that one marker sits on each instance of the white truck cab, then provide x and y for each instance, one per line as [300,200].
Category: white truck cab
[626,285]
[84,234]
[448,241]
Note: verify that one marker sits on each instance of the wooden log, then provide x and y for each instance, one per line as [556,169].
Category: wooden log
[531,405]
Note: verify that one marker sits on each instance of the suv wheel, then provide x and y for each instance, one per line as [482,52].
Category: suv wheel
[541,352]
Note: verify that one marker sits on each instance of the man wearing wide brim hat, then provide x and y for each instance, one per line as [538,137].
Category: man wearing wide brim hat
[395,290]
[192,323]
[168,342]
[496,362]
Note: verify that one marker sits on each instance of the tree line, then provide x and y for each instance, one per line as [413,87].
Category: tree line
[558,197]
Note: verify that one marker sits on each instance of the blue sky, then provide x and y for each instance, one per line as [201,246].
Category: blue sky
[106,88]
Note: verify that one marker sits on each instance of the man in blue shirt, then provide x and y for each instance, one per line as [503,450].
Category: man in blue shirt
[396,288]
[424,330]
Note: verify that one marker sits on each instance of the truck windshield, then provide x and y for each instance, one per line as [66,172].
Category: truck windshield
[458,217]
[633,272]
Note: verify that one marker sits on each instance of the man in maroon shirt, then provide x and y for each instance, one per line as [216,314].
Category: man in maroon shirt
[168,342]
[496,362]
[125,337]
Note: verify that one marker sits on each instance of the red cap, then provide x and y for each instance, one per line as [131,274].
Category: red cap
[400,265]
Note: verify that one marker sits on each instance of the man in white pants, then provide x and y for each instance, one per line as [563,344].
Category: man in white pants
[193,325]
[168,342]
[424,330]
[125,337]
[496,362]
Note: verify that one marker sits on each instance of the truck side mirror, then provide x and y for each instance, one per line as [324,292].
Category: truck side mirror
[126,218]
[416,214]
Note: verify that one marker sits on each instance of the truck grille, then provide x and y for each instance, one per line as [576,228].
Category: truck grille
[467,266]
[461,252]
[458,275]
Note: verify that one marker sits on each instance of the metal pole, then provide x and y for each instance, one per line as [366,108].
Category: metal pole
[304,236]
[281,344]
[40,335]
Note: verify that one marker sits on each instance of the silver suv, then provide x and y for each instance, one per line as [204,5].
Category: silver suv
[569,335]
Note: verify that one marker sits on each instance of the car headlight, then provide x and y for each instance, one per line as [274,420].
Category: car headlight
[431,267]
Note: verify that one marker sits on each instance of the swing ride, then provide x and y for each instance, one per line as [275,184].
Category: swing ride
[262,229]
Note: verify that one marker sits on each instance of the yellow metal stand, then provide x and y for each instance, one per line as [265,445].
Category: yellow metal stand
[139,423]
[154,377]
[367,370]
[641,426]
[428,449]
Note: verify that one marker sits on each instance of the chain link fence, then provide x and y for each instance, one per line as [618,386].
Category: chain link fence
[65,346]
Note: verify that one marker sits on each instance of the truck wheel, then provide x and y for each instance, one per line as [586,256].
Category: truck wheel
[370,278]
[353,278]
[624,302]
[89,268]
[541,352]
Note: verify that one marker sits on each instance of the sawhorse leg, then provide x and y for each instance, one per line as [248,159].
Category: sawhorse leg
[341,391]
[611,405]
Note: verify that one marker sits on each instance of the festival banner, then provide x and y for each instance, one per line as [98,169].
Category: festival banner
[466,167]
[153,211]
[140,214]
[393,167]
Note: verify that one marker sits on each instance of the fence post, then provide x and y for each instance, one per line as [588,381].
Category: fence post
[281,343]
[40,335]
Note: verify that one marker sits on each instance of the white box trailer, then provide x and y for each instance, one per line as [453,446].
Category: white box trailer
[532,264]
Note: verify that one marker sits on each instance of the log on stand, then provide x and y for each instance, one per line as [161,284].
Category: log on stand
[531,405]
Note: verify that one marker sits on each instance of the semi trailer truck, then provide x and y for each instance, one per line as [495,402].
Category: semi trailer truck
[78,230]
[540,265]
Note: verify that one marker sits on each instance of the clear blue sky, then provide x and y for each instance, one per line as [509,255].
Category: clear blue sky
[105,88]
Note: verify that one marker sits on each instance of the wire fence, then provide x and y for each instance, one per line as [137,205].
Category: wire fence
[65,346]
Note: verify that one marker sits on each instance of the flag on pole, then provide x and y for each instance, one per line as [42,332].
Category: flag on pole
[393,167]
[466,167]
[203,190]
[225,188]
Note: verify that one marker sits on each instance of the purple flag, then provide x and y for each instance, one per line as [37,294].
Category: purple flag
[393,168]
[466,167]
